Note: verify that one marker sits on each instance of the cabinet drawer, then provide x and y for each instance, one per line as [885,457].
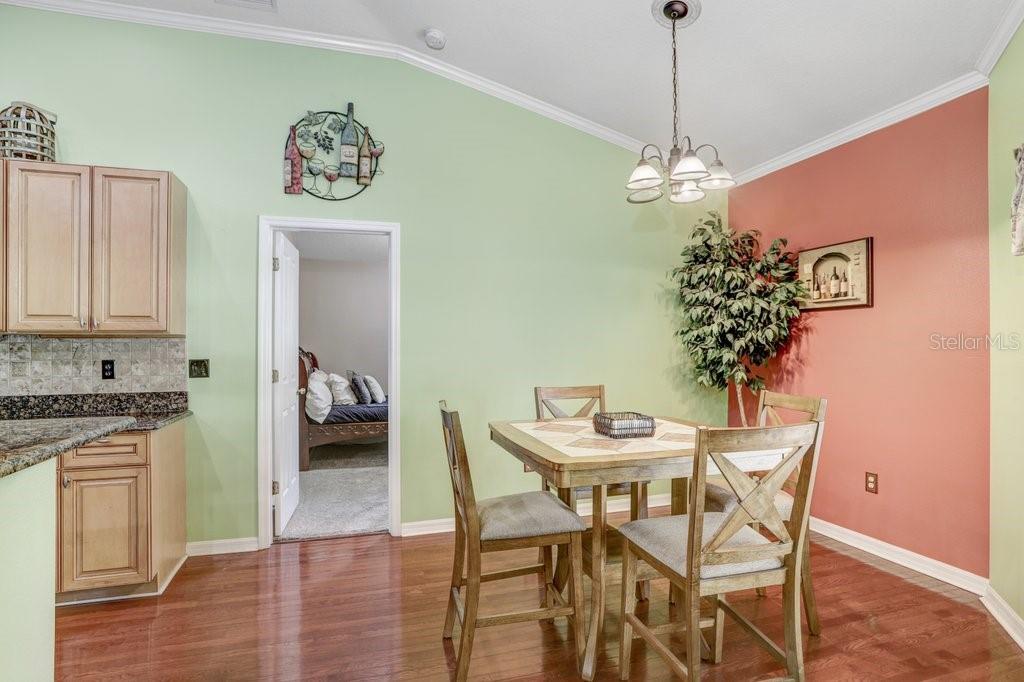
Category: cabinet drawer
[119,449]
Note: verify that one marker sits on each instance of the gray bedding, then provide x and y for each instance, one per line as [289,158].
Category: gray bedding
[356,414]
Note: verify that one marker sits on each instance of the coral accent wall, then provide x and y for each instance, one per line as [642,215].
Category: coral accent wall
[917,416]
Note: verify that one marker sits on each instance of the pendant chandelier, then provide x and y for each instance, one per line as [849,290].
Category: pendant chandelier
[688,176]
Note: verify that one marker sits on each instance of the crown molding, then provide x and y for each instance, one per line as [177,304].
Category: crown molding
[957,87]
[240,29]
[1008,25]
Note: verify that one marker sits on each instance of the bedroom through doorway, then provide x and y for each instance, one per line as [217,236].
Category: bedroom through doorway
[330,383]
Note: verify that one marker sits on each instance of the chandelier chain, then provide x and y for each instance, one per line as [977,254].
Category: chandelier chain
[675,87]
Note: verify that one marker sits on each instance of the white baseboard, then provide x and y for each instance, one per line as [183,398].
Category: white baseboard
[1004,615]
[904,557]
[428,527]
[583,507]
[621,503]
[227,546]
[933,568]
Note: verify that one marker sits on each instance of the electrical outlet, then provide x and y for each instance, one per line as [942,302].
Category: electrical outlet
[107,369]
[871,482]
[199,369]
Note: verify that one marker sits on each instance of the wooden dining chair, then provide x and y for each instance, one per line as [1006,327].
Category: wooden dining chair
[532,519]
[549,401]
[709,554]
[721,499]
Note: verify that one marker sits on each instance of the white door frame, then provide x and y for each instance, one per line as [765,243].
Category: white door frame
[264,357]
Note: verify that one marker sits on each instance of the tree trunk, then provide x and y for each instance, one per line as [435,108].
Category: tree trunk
[739,403]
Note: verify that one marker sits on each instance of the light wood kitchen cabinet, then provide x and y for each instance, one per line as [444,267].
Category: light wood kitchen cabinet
[48,245]
[3,259]
[138,260]
[104,527]
[121,528]
[94,250]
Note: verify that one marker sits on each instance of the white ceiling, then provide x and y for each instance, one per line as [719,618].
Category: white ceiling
[343,247]
[758,79]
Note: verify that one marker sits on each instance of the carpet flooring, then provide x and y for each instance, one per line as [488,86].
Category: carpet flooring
[345,492]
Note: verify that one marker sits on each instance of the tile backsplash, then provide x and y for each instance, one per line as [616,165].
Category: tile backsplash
[32,365]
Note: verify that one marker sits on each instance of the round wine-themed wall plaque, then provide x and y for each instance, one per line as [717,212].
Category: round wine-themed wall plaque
[330,155]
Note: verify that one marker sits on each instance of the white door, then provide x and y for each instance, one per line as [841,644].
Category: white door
[285,389]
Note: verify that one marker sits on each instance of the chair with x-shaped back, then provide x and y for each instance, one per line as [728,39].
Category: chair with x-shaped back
[721,499]
[709,554]
[550,402]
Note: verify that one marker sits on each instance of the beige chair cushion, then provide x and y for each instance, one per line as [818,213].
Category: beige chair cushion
[664,538]
[526,515]
[718,498]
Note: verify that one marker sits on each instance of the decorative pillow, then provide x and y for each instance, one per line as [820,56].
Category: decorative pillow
[318,399]
[376,392]
[341,391]
[319,375]
[360,388]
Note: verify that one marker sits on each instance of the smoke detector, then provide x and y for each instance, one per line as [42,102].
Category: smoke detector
[435,38]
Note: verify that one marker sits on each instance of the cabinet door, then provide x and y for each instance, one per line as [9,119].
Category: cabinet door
[104,527]
[48,216]
[130,250]
[3,240]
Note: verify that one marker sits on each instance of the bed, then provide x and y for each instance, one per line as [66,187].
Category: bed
[344,423]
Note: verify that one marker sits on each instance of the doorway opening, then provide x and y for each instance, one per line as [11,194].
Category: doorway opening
[328,379]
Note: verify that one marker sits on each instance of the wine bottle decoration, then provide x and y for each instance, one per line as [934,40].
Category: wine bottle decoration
[292,165]
[349,145]
[365,176]
[324,149]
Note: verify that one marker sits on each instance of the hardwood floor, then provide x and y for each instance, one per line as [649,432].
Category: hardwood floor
[372,608]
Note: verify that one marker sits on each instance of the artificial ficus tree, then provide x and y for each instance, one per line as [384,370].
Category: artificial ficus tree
[739,304]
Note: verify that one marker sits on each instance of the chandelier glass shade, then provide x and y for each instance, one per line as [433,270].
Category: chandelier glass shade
[690,167]
[645,176]
[685,192]
[688,176]
[718,178]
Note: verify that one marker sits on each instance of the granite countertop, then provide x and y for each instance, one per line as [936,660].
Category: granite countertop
[24,442]
[151,421]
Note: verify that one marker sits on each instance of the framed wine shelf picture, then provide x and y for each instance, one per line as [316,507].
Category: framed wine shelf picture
[837,275]
[330,155]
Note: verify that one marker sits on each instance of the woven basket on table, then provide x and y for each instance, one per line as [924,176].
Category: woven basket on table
[624,424]
[27,132]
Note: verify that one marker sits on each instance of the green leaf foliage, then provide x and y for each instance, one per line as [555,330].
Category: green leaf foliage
[739,302]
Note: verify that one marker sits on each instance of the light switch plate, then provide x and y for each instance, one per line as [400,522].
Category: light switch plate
[199,369]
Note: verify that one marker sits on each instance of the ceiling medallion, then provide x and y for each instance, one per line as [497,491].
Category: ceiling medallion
[688,176]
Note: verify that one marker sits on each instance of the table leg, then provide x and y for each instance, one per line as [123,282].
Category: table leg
[598,558]
[638,510]
[567,495]
[680,505]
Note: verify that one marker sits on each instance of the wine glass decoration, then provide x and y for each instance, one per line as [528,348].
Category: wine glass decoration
[325,149]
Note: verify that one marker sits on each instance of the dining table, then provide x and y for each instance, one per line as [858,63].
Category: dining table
[570,454]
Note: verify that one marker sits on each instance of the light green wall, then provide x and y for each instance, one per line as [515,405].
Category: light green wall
[1006,132]
[28,567]
[521,262]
